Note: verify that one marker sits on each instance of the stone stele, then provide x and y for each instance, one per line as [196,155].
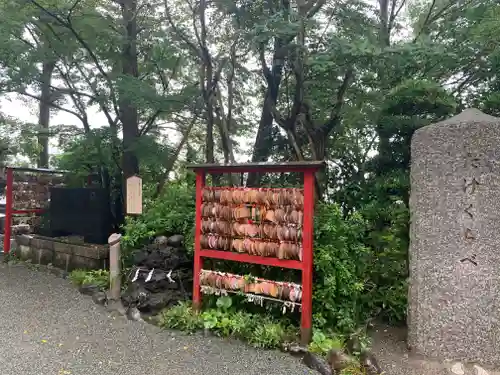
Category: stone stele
[454,294]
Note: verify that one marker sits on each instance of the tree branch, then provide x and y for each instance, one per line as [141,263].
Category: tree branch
[68,24]
[426,20]
[77,115]
[314,8]
[339,102]
[179,33]
[77,102]
[171,162]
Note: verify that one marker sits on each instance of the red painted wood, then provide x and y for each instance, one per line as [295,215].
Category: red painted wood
[38,170]
[246,258]
[306,265]
[8,211]
[9,201]
[200,184]
[307,244]
[32,211]
[258,167]
[245,188]
[221,169]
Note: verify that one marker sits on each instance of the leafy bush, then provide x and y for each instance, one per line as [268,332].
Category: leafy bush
[99,278]
[321,343]
[226,321]
[339,269]
[360,266]
[388,238]
[171,213]
[181,317]
[353,370]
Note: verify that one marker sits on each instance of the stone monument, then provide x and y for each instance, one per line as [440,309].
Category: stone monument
[454,294]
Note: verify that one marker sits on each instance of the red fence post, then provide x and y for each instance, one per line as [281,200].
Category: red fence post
[305,265]
[307,258]
[8,211]
[200,184]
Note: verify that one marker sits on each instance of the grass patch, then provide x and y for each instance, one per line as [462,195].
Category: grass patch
[258,330]
[223,321]
[99,278]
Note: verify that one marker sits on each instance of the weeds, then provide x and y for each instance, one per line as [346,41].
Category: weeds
[99,278]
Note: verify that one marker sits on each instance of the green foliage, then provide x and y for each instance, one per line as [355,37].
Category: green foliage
[87,153]
[340,269]
[387,235]
[322,344]
[182,317]
[360,267]
[353,370]
[99,278]
[171,213]
[17,141]
[225,321]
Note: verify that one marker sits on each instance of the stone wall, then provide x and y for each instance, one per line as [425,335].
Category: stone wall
[67,256]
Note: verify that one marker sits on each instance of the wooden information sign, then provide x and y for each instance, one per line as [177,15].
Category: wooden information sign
[134,195]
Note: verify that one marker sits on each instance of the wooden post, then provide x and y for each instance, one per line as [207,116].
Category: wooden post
[9,195]
[307,258]
[200,184]
[114,267]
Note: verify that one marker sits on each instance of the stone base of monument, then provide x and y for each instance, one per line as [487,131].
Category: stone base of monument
[391,350]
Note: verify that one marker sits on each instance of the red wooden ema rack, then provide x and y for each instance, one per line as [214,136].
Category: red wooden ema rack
[10,211]
[308,169]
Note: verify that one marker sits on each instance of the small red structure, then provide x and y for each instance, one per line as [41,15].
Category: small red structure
[10,202]
[305,227]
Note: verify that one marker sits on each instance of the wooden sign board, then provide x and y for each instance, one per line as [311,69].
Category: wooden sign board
[134,195]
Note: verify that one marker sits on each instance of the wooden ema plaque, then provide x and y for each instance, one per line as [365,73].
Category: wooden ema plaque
[134,195]
[213,207]
[27,192]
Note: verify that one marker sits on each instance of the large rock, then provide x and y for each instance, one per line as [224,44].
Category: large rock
[454,296]
[176,240]
[171,280]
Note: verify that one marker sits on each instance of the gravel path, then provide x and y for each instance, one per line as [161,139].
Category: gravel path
[48,328]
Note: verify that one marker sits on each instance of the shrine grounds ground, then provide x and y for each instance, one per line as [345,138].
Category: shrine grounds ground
[48,328]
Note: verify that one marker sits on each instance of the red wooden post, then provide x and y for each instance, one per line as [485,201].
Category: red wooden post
[8,211]
[200,184]
[307,258]
[305,265]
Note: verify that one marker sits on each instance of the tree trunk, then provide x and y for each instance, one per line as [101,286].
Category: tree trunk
[264,140]
[44,113]
[128,110]
[169,165]
[263,145]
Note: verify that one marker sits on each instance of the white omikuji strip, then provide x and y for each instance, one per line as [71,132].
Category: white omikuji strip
[150,275]
[253,298]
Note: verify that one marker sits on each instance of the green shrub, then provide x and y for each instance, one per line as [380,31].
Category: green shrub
[171,213]
[94,277]
[340,259]
[181,317]
[226,321]
[360,267]
[387,236]
[321,343]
